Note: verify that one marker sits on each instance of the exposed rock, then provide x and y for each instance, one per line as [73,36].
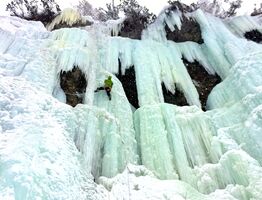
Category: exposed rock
[257,12]
[132,28]
[74,85]
[128,81]
[190,31]
[177,99]
[137,19]
[254,35]
[203,81]
[75,25]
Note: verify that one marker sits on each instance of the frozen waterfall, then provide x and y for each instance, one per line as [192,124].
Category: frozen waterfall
[105,149]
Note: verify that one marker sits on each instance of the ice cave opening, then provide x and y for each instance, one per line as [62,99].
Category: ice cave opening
[73,83]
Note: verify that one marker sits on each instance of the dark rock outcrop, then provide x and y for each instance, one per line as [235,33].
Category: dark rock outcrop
[132,28]
[254,35]
[74,85]
[75,25]
[177,99]
[174,5]
[203,81]
[190,31]
[128,81]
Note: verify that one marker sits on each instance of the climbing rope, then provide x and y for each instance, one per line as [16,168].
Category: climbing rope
[128,181]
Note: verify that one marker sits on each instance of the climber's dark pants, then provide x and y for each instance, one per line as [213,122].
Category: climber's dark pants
[107,89]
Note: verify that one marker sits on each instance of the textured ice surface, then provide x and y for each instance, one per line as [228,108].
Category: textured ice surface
[69,17]
[242,24]
[50,150]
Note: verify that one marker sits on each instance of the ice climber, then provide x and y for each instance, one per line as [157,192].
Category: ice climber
[108,84]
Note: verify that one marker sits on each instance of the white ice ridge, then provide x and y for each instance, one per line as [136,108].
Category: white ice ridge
[50,150]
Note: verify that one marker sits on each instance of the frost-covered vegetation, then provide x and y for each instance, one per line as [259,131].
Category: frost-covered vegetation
[37,10]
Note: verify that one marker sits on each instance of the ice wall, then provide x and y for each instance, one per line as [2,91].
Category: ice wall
[50,150]
[45,163]
[208,150]
[39,159]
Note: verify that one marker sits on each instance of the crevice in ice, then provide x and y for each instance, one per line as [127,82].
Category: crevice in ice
[203,81]
[74,84]
[128,80]
[254,35]
[177,98]
[188,31]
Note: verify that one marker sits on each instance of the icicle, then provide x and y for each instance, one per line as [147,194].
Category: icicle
[174,19]
[68,16]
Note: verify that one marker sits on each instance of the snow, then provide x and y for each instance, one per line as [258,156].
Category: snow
[50,150]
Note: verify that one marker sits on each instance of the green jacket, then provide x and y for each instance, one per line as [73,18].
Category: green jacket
[108,82]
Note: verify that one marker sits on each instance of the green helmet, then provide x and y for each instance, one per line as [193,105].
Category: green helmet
[109,77]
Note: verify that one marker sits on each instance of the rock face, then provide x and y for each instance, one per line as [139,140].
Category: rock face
[128,81]
[135,23]
[74,85]
[74,25]
[177,98]
[132,28]
[190,31]
[254,35]
[203,81]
